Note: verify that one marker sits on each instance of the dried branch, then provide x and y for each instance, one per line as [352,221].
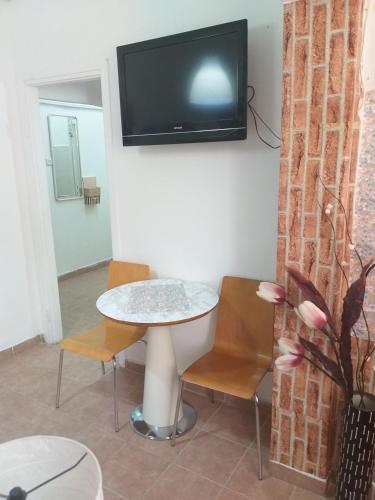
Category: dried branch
[334,246]
[345,216]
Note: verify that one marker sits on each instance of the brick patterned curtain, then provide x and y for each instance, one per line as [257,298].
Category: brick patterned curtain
[319,139]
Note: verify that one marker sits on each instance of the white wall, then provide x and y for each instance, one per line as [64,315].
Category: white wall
[195,211]
[15,302]
[82,233]
[87,92]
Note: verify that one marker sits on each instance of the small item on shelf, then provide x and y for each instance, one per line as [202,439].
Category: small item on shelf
[91,195]
[91,192]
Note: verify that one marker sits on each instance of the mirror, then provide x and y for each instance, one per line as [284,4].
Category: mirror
[66,163]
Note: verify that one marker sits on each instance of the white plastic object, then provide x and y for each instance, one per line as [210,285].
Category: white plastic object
[161,379]
[29,461]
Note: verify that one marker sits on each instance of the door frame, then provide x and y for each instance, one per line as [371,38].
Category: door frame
[34,198]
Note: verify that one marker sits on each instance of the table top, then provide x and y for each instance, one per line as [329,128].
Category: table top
[158,302]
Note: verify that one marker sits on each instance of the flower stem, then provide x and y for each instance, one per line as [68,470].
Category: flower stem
[320,368]
[346,218]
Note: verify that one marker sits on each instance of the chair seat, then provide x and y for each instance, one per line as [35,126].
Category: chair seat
[103,341]
[226,373]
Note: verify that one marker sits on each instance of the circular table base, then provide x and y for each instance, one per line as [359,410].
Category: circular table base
[163,433]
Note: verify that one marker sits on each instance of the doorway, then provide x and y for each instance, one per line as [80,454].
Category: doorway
[71,115]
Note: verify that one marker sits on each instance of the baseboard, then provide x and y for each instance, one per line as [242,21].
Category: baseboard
[83,270]
[298,478]
[22,346]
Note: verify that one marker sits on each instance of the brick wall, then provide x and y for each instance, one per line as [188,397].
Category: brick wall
[320,133]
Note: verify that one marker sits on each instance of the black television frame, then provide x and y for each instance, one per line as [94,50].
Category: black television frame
[175,137]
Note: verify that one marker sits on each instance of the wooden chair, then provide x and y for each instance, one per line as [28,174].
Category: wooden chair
[105,340]
[242,351]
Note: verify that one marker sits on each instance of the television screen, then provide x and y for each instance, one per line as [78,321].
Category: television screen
[189,87]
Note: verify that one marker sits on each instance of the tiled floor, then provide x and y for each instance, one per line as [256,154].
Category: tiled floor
[215,461]
[78,296]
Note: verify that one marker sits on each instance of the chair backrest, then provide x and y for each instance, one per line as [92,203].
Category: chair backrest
[120,273]
[126,272]
[245,322]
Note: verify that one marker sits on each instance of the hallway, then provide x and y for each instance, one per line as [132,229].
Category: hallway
[78,295]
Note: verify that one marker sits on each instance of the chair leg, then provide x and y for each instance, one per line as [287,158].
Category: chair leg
[178,404]
[256,398]
[103,367]
[114,364]
[59,378]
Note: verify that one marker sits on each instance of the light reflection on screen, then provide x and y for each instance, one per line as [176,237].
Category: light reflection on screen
[211,85]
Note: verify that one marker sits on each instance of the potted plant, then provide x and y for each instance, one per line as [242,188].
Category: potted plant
[358,434]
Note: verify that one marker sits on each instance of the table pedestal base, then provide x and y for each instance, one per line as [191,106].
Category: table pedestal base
[148,431]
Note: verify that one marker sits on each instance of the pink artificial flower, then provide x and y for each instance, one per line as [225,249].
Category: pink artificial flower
[288,346]
[311,315]
[292,354]
[271,292]
[287,362]
[298,313]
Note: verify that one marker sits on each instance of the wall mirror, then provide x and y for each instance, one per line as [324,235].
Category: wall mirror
[66,163]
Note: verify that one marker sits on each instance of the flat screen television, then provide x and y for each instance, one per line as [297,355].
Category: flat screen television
[189,87]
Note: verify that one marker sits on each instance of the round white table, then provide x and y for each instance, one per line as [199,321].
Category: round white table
[158,304]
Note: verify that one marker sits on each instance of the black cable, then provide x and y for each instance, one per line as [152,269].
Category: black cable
[257,115]
[58,475]
[265,124]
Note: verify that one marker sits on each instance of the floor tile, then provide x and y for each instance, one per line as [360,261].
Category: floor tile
[85,404]
[203,406]
[178,483]
[78,297]
[236,424]
[15,404]
[227,494]
[17,427]
[41,387]
[60,426]
[163,448]
[103,444]
[130,455]
[300,494]
[132,471]
[211,456]
[230,400]
[105,419]
[110,495]
[267,488]
[129,385]
[245,480]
